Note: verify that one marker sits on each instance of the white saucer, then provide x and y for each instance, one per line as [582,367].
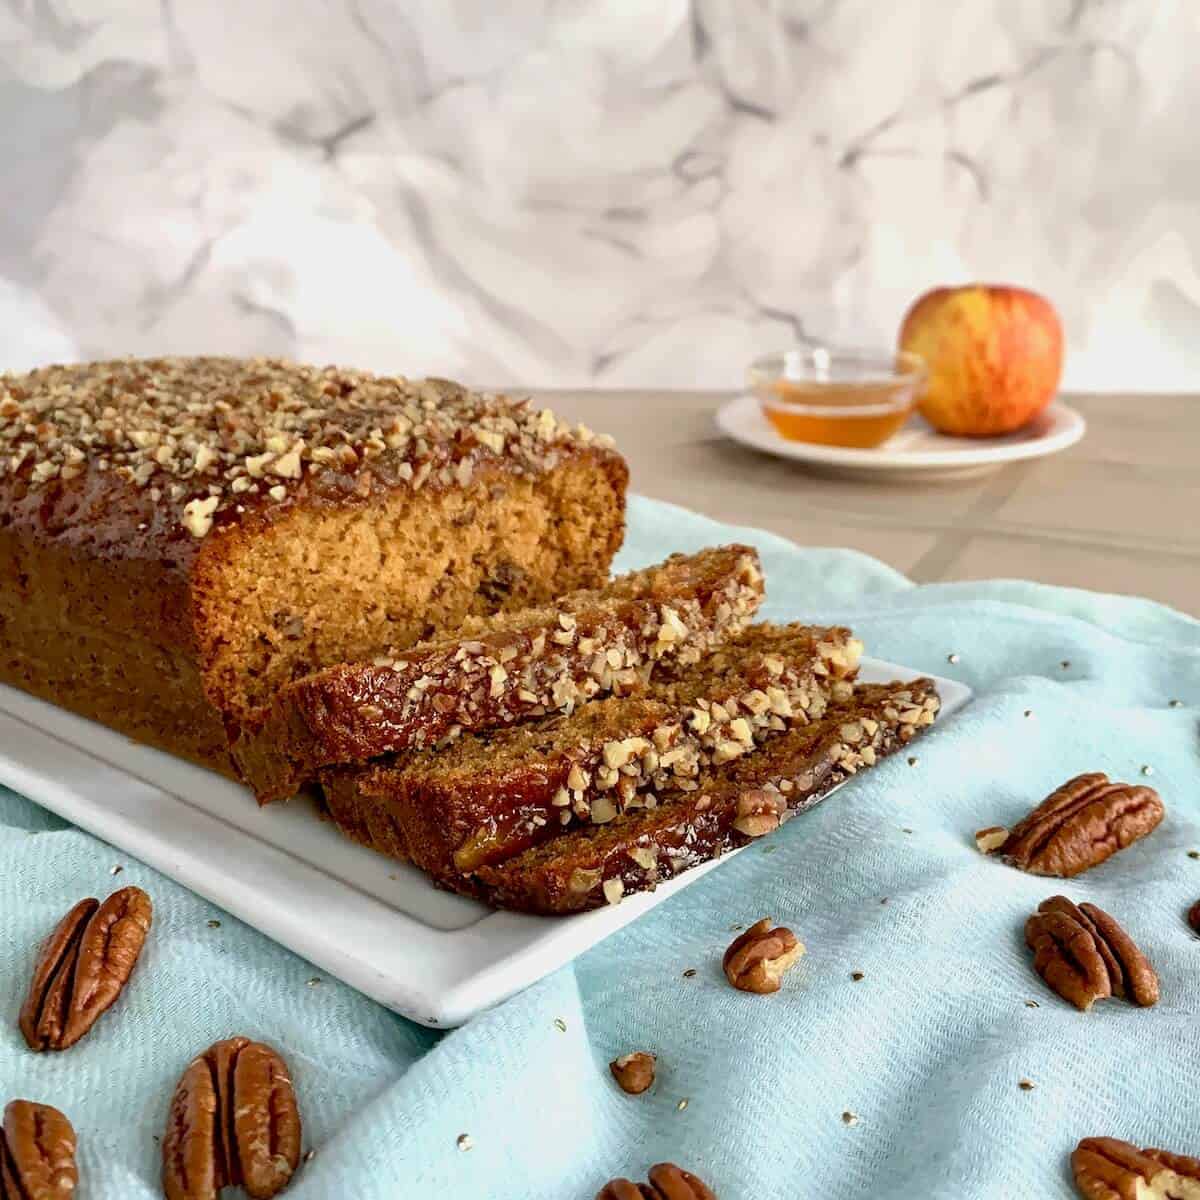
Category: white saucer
[916,450]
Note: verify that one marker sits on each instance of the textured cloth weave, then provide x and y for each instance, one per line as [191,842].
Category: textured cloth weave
[928,1049]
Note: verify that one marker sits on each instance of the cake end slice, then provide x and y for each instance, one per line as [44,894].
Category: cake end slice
[733,805]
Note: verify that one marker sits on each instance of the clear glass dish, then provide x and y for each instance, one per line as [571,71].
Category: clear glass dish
[838,396]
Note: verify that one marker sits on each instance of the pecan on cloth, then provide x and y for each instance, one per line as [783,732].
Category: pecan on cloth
[634,1072]
[1109,1169]
[83,967]
[1084,955]
[667,1182]
[1079,826]
[625,1189]
[757,960]
[233,1121]
[37,1153]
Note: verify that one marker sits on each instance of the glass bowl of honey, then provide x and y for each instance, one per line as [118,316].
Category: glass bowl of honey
[838,396]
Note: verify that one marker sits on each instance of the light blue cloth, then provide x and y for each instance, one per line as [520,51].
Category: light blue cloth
[927,1049]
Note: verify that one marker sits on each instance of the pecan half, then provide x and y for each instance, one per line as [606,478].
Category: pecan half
[674,1183]
[1084,955]
[1194,916]
[757,959]
[83,967]
[634,1072]
[1066,957]
[1079,826]
[667,1182]
[233,1121]
[625,1189]
[37,1153]
[1133,978]
[1110,1169]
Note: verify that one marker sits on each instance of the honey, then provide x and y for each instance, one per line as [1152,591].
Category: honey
[858,413]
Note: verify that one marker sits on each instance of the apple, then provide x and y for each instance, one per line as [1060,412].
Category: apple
[994,354]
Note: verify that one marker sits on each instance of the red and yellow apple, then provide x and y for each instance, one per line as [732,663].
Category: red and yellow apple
[994,355]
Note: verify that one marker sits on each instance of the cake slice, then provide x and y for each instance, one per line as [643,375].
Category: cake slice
[490,795]
[732,805]
[501,670]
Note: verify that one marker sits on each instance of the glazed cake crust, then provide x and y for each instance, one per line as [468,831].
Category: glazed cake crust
[491,795]
[730,807]
[175,532]
[165,447]
[502,670]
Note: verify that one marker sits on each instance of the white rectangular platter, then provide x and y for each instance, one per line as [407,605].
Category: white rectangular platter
[426,954]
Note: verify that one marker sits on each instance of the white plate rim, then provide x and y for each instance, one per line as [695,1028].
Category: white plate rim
[741,419]
[133,797]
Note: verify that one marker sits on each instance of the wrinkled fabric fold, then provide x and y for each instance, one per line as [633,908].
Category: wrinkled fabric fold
[927,1049]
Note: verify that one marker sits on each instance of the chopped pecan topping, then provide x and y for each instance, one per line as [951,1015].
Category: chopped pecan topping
[1083,823]
[1110,1169]
[1085,956]
[37,1153]
[634,1073]
[83,967]
[216,430]
[756,961]
[233,1121]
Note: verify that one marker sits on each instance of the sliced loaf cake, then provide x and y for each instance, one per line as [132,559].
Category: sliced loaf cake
[490,795]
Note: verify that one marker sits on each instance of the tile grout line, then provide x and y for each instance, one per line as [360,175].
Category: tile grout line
[933,564]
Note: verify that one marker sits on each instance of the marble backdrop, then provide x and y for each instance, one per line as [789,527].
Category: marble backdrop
[608,192]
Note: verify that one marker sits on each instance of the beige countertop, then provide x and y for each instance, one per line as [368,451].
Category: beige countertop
[1119,512]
